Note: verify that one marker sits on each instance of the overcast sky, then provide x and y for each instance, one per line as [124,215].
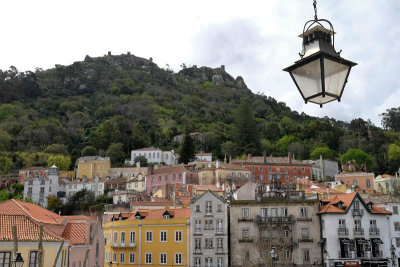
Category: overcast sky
[253,39]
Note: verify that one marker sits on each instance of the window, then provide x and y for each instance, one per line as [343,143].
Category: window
[219,208]
[233,174]
[197,226]
[208,224]
[166,177]
[245,213]
[5,259]
[197,208]
[114,257]
[208,262]
[395,210]
[132,236]
[42,190]
[294,169]
[115,237]
[159,178]
[149,236]
[209,242]
[287,177]
[219,262]
[178,236]
[163,236]
[219,227]
[372,224]
[178,258]
[284,212]
[197,243]
[261,177]
[163,258]
[305,233]
[397,226]
[245,233]
[286,233]
[131,257]
[302,169]
[179,176]
[197,262]
[355,183]
[306,255]
[122,237]
[286,254]
[398,242]
[274,212]
[261,168]
[304,212]
[173,176]
[148,258]
[342,223]
[357,224]
[208,207]
[122,257]
[264,212]
[98,167]
[220,242]
[368,181]
[252,168]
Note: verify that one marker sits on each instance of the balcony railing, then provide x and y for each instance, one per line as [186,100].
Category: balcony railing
[220,250]
[197,231]
[343,231]
[197,251]
[220,230]
[357,212]
[358,231]
[122,245]
[374,231]
[305,239]
[344,254]
[280,219]
[377,254]
[361,254]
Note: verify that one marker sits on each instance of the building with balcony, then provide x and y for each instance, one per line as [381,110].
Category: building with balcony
[288,225]
[148,237]
[209,230]
[41,183]
[285,169]
[354,232]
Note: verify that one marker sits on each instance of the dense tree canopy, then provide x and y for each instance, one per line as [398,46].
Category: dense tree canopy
[358,158]
[84,108]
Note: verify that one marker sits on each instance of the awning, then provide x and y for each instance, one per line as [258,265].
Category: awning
[377,240]
[361,241]
[344,241]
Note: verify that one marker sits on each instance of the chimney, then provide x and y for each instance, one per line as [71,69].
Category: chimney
[290,157]
[327,192]
[265,157]
[138,166]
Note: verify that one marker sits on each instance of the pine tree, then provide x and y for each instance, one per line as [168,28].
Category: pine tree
[186,152]
[246,133]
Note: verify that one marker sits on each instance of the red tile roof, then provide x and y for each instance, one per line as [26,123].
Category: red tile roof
[39,214]
[347,199]
[183,213]
[27,229]
[207,187]
[75,233]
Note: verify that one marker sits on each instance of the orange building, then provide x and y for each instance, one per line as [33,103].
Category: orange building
[359,181]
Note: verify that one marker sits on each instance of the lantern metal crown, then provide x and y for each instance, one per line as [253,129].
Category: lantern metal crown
[321,73]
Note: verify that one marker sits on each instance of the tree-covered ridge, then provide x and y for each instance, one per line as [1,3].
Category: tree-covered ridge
[109,105]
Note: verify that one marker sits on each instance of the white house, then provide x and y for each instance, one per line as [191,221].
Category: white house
[96,185]
[204,157]
[354,233]
[153,155]
[41,183]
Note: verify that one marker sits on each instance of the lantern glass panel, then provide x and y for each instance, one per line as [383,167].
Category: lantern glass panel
[308,78]
[321,100]
[335,76]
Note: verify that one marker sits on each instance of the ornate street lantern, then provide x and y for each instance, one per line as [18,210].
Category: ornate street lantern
[18,261]
[321,73]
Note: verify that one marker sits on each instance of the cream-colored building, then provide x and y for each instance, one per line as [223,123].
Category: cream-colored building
[387,184]
[222,172]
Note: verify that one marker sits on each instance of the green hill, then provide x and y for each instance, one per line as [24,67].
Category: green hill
[130,102]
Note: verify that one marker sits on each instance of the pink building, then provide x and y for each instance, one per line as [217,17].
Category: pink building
[160,177]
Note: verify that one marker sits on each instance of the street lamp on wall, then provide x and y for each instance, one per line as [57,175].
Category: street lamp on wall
[18,261]
[321,73]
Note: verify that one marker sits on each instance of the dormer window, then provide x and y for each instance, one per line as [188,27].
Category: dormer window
[138,216]
[370,205]
[166,215]
[340,204]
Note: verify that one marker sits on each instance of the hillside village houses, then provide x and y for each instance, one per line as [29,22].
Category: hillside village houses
[92,166]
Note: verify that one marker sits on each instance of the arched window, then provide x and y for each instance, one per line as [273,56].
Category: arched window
[355,182]
[368,183]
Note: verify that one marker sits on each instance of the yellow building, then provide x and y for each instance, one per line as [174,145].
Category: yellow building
[92,166]
[148,237]
[386,184]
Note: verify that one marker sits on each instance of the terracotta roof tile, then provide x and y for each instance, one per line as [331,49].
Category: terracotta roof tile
[75,233]
[27,229]
[183,213]
[39,214]
[207,187]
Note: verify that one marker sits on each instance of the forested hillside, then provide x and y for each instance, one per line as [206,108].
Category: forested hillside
[109,105]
